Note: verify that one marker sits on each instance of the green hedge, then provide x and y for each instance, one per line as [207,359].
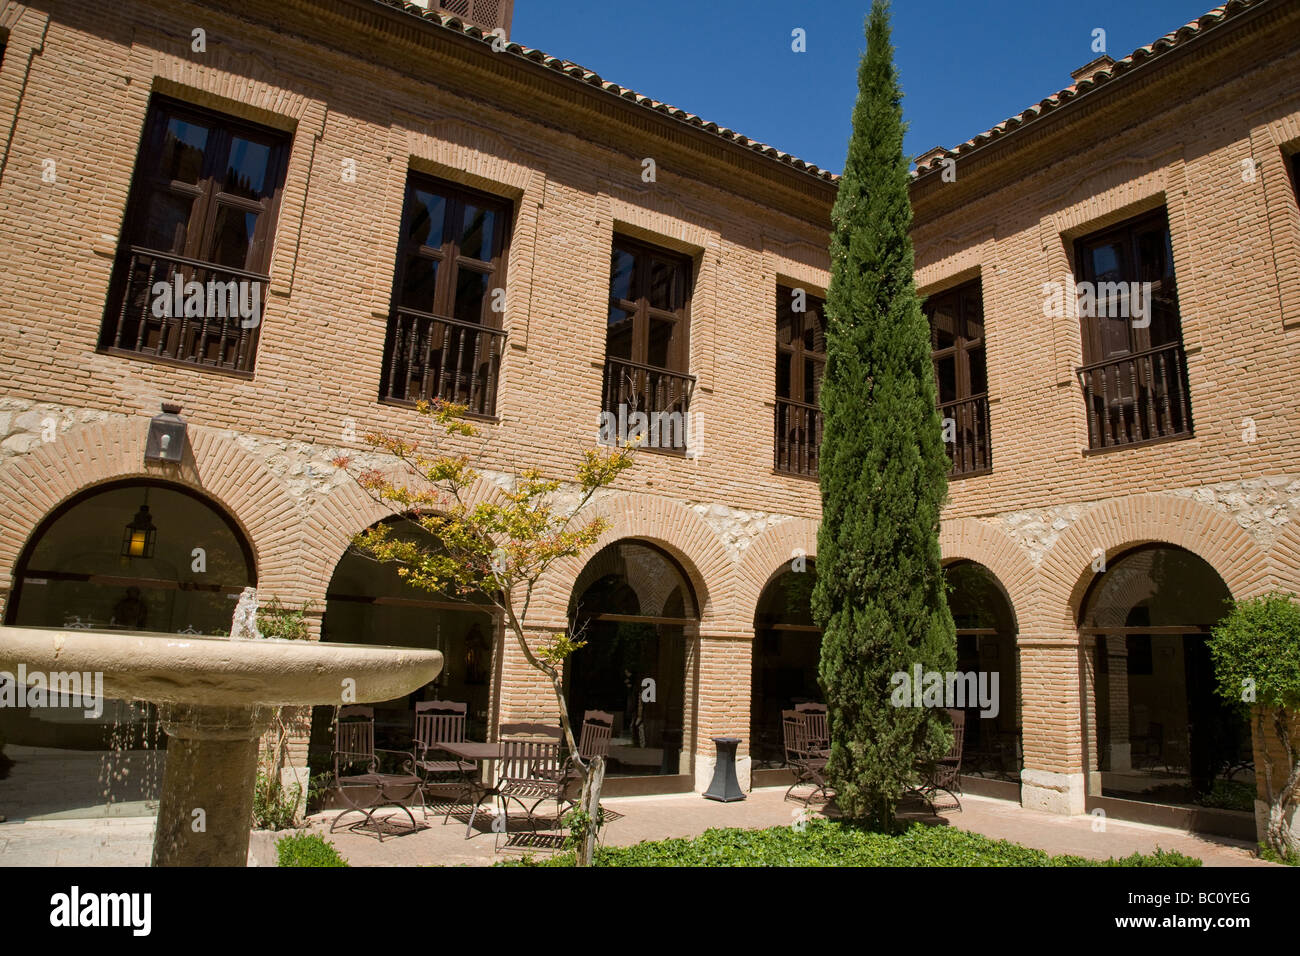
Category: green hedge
[826,843]
[307,849]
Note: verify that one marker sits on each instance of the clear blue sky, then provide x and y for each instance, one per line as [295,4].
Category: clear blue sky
[965,65]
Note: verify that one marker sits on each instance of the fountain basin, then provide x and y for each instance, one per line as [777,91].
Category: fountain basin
[216,698]
[217,671]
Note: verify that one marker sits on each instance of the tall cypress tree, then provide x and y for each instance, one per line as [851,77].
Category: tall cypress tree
[880,594]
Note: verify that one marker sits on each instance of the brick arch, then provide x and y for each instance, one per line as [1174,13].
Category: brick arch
[1120,524]
[339,516]
[82,458]
[765,556]
[661,521]
[1284,558]
[968,539]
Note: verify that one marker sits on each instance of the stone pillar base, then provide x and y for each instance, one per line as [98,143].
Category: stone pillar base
[705,763]
[1052,792]
[1121,756]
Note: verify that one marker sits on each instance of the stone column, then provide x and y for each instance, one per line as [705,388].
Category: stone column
[723,702]
[1053,777]
[206,810]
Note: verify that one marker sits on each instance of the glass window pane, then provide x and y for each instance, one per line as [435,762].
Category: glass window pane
[1106,263]
[944,321]
[479,227]
[979,381]
[471,291]
[663,285]
[166,221]
[233,237]
[660,349]
[419,282]
[783,360]
[622,267]
[946,378]
[1155,256]
[812,371]
[428,214]
[184,145]
[618,338]
[246,168]
[814,328]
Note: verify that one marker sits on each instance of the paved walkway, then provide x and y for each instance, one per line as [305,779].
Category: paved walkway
[126,842]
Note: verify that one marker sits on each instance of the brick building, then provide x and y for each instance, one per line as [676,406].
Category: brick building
[398,204]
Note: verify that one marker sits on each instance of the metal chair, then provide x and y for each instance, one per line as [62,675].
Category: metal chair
[802,756]
[436,722]
[529,769]
[944,775]
[819,735]
[354,743]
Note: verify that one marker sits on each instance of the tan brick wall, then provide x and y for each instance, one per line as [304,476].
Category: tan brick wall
[74,88]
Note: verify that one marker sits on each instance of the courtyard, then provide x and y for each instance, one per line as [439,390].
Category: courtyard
[126,841]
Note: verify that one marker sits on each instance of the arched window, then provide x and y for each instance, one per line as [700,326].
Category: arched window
[633,605]
[136,556]
[1161,732]
[786,659]
[368,602]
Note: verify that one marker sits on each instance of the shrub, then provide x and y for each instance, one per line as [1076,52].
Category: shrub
[307,849]
[1256,652]
[827,843]
[275,806]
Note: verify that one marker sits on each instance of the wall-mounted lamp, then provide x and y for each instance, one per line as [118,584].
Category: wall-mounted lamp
[166,441]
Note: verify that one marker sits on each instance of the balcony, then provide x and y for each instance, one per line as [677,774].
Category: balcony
[664,397]
[1137,399]
[213,325]
[971,450]
[430,357]
[798,437]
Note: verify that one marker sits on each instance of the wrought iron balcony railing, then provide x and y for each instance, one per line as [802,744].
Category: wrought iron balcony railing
[431,357]
[182,310]
[966,422]
[663,396]
[1137,398]
[798,437]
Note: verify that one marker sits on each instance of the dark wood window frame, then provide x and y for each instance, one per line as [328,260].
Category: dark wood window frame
[181,342]
[1133,377]
[968,407]
[634,382]
[644,255]
[454,358]
[797,420]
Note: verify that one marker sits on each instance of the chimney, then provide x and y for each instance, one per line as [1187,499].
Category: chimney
[1092,68]
[488,15]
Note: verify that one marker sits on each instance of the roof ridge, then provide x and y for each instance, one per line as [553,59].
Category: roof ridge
[577,71]
[936,156]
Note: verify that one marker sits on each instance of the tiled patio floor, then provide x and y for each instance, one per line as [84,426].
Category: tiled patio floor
[126,842]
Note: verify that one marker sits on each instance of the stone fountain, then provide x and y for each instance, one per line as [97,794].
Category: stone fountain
[216,697]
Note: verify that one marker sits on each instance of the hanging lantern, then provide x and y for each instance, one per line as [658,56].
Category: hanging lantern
[138,538]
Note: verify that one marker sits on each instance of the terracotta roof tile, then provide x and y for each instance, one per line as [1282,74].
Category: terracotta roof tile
[569,68]
[934,159]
